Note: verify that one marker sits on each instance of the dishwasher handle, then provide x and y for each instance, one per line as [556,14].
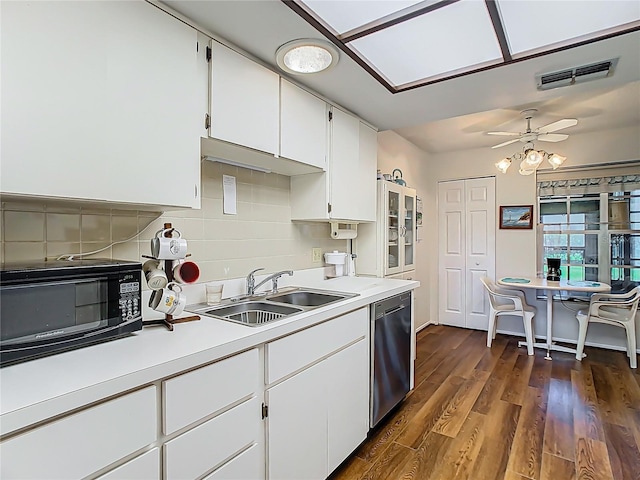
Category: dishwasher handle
[394,310]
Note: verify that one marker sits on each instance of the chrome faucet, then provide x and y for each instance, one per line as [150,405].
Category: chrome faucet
[251,280]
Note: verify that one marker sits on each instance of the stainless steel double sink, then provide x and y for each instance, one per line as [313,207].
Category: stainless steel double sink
[256,310]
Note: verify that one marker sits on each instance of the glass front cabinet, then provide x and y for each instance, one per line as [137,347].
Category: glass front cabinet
[387,247]
[400,227]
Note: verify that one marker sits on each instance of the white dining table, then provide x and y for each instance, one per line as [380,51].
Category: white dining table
[550,287]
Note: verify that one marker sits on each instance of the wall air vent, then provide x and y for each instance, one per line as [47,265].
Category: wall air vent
[571,76]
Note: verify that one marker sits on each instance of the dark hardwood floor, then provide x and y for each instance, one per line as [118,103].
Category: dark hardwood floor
[490,414]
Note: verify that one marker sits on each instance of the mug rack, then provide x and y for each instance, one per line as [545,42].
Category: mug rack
[168,320]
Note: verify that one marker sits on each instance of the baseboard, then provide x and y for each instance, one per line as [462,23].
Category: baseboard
[424,326]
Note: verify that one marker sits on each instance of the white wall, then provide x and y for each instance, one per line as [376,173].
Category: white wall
[516,250]
[396,152]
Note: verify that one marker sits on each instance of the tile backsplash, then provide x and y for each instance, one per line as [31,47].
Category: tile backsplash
[224,246]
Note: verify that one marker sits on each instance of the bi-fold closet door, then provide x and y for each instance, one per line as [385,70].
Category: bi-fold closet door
[466,250]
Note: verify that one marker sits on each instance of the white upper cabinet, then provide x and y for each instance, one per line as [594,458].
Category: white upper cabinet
[347,191]
[100,102]
[244,101]
[256,124]
[303,125]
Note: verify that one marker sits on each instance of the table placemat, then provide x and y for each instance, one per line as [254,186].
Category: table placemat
[516,280]
[583,284]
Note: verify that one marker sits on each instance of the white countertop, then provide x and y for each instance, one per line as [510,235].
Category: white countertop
[39,389]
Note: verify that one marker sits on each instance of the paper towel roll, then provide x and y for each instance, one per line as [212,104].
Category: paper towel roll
[343,233]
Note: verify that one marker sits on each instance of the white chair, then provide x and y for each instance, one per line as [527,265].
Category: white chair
[506,301]
[613,309]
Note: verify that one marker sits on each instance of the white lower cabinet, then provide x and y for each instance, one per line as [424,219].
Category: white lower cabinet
[83,443]
[222,401]
[213,443]
[208,422]
[144,467]
[320,414]
[347,401]
[297,426]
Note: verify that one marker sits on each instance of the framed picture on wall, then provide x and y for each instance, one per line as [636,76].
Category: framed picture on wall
[516,217]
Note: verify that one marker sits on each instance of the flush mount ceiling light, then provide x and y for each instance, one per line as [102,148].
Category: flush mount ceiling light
[530,159]
[307,55]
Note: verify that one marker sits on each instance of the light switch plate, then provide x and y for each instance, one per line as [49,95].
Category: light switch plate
[316,255]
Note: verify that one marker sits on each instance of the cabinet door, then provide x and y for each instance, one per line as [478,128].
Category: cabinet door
[367,168]
[297,426]
[393,214]
[303,126]
[408,230]
[112,103]
[348,401]
[244,101]
[345,175]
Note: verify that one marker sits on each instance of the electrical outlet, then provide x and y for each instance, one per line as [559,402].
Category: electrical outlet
[316,255]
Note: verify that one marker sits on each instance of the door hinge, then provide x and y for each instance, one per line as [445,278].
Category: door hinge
[330,115]
[265,411]
[207,121]
[208,54]
[328,207]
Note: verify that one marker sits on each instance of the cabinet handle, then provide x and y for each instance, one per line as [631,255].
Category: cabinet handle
[195,188]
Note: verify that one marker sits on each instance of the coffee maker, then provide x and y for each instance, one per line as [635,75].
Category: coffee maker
[553,269]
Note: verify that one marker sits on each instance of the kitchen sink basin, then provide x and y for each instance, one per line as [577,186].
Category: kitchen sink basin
[251,313]
[256,310]
[306,298]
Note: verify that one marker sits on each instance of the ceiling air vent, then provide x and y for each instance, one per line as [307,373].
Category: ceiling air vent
[571,76]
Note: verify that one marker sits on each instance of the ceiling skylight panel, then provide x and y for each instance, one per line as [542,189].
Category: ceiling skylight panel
[451,39]
[343,15]
[531,25]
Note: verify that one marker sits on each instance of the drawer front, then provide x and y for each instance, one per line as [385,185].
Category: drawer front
[80,444]
[144,467]
[296,351]
[249,465]
[194,395]
[197,451]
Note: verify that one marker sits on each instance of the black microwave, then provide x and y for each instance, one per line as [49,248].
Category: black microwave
[48,307]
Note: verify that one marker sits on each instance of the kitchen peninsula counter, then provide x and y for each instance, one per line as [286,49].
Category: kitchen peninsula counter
[40,389]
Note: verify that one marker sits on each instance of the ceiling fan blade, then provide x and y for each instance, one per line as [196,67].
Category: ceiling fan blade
[507,134]
[508,142]
[559,125]
[552,137]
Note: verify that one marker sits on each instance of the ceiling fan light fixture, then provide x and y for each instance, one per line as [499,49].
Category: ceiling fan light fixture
[503,165]
[556,160]
[306,56]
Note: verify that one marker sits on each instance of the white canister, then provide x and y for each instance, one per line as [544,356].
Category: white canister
[338,260]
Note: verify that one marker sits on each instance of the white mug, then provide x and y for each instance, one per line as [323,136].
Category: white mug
[156,278]
[185,271]
[169,300]
[168,248]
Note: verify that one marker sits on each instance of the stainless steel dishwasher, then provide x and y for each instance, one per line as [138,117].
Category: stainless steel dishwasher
[390,354]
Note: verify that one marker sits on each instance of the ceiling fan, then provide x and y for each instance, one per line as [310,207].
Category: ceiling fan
[544,133]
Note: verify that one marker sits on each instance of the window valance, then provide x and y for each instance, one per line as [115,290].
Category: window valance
[594,179]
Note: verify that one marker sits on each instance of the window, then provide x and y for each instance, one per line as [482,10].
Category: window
[595,235]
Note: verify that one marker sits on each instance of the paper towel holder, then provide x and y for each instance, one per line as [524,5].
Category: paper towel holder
[343,231]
